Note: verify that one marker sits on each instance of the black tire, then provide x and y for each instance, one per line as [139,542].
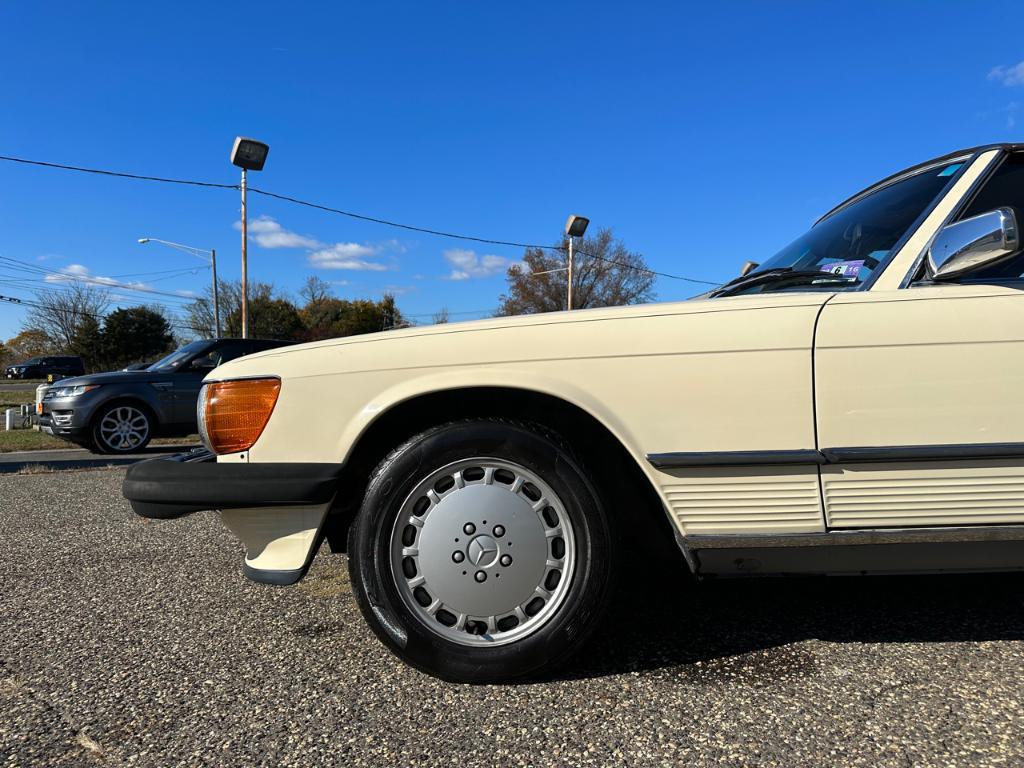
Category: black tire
[370,564]
[103,443]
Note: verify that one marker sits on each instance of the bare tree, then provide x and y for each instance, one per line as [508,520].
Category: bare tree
[315,290]
[199,311]
[60,313]
[605,274]
[441,316]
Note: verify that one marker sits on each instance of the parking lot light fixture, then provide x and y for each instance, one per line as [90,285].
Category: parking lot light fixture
[575,226]
[249,155]
[201,253]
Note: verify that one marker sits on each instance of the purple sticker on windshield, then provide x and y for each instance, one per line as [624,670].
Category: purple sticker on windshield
[843,268]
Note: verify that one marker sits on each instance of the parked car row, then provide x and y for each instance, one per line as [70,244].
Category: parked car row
[121,411]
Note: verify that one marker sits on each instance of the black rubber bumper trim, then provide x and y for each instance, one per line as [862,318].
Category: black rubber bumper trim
[274,578]
[177,485]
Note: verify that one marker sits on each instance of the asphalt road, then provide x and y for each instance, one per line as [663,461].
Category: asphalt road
[127,642]
[79,458]
[15,385]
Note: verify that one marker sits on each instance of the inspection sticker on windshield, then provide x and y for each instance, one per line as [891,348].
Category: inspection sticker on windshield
[949,170]
[843,268]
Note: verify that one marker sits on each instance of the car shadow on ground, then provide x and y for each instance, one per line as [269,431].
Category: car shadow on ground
[715,629]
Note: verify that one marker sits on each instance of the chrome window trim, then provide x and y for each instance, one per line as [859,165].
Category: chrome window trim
[966,199]
[967,161]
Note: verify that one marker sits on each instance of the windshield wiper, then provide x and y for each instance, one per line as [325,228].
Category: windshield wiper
[777,275]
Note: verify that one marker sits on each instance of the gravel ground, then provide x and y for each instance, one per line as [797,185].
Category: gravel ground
[128,642]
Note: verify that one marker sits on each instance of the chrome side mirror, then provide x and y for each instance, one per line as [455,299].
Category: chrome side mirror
[973,243]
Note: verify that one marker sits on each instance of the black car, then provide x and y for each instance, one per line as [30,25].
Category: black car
[41,367]
[120,411]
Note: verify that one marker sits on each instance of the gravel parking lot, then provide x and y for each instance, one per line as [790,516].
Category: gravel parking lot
[128,642]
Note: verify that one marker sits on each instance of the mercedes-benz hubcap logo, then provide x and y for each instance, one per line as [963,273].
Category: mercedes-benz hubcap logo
[482,551]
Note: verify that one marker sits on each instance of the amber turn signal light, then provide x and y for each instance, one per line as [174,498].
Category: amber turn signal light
[232,414]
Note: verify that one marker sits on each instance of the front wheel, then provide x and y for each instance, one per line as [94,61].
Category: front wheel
[481,552]
[121,428]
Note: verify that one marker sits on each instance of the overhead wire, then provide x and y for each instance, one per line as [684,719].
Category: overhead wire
[354,215]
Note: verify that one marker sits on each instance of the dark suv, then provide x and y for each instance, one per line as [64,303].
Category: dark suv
[41,367]
[120,411]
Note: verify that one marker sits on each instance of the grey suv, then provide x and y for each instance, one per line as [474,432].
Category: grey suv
[120,411]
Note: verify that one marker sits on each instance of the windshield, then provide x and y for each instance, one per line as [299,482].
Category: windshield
[33,361]
[855,241]
[174,360]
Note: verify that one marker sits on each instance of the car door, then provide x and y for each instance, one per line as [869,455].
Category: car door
[918,394]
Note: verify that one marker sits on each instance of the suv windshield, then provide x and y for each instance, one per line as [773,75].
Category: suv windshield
[174,360]
[849,245]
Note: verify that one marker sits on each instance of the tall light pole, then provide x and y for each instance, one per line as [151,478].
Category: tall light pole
[249,155]
[196,252]
[575,226]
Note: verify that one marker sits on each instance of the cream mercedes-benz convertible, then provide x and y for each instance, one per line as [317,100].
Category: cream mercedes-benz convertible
[853,404]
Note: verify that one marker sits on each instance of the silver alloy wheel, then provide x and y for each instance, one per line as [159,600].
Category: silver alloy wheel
[123,428]
[482,552]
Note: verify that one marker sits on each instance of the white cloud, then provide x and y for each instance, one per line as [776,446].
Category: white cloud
[267,233]
[1008,76]
[466,264]
[81,273]
[347,256]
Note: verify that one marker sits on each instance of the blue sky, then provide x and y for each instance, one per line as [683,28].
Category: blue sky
[704,134]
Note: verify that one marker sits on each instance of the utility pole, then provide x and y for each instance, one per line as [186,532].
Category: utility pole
[216,297]
[245,264]
[575,226]
[249,155]
[569,301]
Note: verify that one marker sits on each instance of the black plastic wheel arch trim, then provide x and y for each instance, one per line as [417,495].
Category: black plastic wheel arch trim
[170,487]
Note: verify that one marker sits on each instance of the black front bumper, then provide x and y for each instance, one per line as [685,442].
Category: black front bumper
[176,485]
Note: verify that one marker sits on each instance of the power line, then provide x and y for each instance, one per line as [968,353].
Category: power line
[104,282]
[464,312]
[118,174]
[624,265]
[357,216]
[396,224]
[181,326]
[439,233]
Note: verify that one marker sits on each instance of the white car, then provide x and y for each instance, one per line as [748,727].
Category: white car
[851,405]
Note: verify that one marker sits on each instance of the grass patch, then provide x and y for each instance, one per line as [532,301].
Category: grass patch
[16,397]
[31,440]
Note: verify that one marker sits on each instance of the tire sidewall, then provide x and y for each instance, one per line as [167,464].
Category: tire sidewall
[370,548]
